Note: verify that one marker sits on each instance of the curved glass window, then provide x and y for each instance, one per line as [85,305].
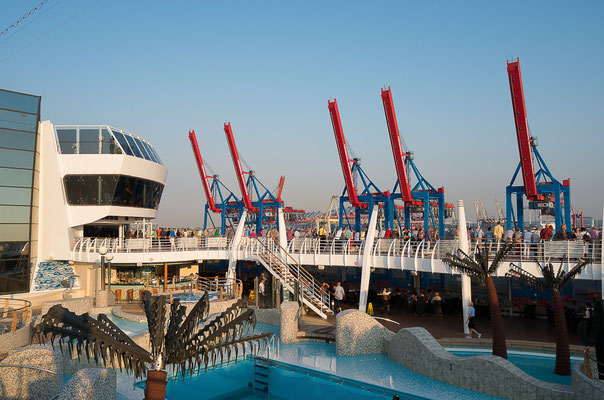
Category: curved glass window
[109,144]
[116,190]
[135,150]
[86,139]
[122,141]
[142,149]
[155,152]
[151,154]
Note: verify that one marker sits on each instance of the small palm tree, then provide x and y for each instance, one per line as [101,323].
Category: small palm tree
[479,268]
[556,281]
[187,344]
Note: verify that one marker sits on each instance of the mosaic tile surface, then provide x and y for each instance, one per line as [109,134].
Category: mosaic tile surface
[49,274]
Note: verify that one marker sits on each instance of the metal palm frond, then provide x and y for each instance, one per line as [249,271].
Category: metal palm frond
[216,340]
[520,275]
[565,278]
[464,263]
[501,254]
[155,310]
[100,339]
[187,343]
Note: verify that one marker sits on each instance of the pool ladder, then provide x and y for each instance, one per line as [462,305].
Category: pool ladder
[261,377]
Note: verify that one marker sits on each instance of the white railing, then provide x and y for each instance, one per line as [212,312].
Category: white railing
[151,245]
[566,250]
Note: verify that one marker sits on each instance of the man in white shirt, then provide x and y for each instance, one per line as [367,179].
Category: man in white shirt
[528,238]
[338,295]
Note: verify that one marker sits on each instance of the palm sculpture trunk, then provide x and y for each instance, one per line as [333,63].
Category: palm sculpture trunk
[499,346]
[562,349]
[480,268]
[186,344]
[555,280]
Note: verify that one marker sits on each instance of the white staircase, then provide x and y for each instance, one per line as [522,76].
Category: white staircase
[283,267]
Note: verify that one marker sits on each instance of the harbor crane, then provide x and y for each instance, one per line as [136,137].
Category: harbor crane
[541,189]
[219,198]
[255,197]
[423,197]
[361,202]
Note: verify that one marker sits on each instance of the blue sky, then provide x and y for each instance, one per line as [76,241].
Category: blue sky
[158,69]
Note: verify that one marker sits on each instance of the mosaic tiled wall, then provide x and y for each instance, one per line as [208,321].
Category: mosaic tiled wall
[49,274]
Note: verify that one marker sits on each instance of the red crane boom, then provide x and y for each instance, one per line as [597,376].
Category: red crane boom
[522,131]
[397,148]
[343,152]
[202,173]
[280,188]
[247,202]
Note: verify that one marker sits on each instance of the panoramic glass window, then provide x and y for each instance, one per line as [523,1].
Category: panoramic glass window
[19,116]
[139,143]
[133,146]
[109,144]
[68,143]
[89,141]
[122,141]
[92,140]
[117,190]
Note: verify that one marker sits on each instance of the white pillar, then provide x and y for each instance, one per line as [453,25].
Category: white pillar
[602,254]
[466,283]
[283,243]
[231,271]
[365,263]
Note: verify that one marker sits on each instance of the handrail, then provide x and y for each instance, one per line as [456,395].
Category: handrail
[29,367]
[24,309]
[310,280]
[287,254]
[586,365]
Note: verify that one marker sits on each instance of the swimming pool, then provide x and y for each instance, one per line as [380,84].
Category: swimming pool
[130,327]
[254,378]
[536,364]
[186,297]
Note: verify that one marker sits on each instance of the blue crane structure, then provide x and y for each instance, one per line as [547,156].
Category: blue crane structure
[542,190]
[422,197]
[219,198]
[353,173]
[257,199]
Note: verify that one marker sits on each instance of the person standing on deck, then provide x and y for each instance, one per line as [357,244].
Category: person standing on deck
[472,321]
[172,239]
[338,295]
[498,233]
[262,292]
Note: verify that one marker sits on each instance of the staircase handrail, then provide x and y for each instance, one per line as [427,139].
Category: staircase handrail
[309,279]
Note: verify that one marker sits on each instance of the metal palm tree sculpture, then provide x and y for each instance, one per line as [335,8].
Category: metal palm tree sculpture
[185,343]
[479,268]
[556,281]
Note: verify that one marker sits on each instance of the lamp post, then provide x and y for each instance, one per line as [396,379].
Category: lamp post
[109,257]
[102,251]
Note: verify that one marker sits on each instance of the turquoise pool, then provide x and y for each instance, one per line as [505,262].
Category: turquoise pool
[213,296]
[538,365]
[131,328]
[312,370]
[250,380]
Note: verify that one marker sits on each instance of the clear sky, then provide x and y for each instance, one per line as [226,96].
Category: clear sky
[158,69]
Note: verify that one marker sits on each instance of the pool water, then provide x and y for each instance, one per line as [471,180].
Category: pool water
[213,296]
[248,380]
[538,365]
[131,328]
[312,370]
